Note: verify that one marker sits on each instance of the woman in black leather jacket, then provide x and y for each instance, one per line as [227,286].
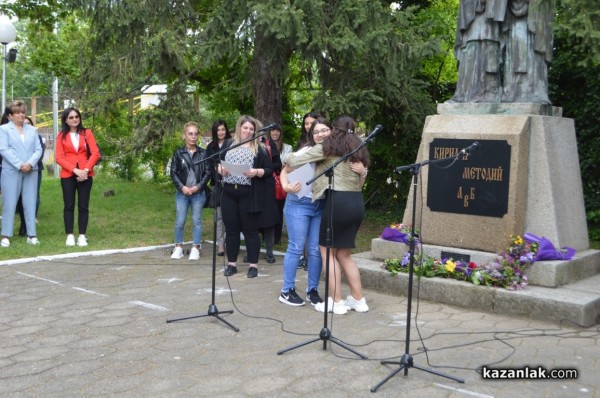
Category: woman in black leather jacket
[190,176]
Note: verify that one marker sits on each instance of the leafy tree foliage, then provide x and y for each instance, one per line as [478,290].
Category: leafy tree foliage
[379,61]
[574,79]
[579,28]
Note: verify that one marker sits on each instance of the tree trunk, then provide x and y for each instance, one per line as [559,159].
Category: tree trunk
[268,69]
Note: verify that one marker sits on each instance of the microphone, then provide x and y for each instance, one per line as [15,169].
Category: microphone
[378,129]
[268,127]
[467,150]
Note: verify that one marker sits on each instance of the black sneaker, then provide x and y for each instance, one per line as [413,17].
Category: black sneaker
[291,298]
[313,297]
[270,258]
[230,270]
[252,272]
[303,263]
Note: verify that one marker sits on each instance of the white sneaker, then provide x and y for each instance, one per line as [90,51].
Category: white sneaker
[5,242]
[194,253]
[177,253]
[337,308]
[33,241]
[82,241]
[356,305]
[70,240]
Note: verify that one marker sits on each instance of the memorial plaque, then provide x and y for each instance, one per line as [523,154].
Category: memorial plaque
[455,256]
[475,184]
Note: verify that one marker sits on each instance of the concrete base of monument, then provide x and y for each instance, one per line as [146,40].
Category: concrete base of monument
[567,290]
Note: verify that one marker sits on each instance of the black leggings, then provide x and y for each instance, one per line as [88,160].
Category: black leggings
[234,207]
[70,186]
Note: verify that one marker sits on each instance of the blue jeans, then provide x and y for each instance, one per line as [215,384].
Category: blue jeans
[182,204]
[303,219]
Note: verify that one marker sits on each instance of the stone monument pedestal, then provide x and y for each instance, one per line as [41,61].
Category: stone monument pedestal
[542,192]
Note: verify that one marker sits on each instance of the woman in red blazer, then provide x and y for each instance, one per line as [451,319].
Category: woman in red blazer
[77,153]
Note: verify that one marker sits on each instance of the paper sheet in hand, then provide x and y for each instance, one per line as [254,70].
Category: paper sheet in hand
[235,169]
[302,175]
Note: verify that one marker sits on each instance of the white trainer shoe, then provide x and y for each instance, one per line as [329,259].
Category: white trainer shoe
[177,253]
[70,240]
[33,241]
[338,308]
[5,242]
[356,305]
[194,253]
[82,241]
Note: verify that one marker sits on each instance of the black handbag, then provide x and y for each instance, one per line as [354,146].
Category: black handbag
[213,197]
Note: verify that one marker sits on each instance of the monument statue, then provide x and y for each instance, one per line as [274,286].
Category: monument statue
[503,48]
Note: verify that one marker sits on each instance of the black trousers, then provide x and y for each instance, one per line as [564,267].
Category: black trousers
[71,187]
[234,208]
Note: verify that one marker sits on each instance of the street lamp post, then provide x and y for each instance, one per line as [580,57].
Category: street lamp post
[8,34]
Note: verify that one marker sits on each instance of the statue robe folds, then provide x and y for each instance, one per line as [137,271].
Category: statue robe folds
[478,50]
[528,36]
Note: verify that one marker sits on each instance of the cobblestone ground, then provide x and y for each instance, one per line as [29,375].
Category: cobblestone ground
[97,326]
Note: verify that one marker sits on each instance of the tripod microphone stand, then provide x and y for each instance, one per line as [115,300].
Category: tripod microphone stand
[212,308]
[406,361]
[325,333]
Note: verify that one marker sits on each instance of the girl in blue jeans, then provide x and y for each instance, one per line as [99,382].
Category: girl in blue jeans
[303,219]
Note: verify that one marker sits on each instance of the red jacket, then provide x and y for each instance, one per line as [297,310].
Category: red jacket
[68,159]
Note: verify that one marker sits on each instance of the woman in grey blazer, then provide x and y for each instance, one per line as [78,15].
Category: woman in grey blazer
[20,150]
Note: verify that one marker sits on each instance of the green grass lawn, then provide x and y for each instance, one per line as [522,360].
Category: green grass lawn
[139,214]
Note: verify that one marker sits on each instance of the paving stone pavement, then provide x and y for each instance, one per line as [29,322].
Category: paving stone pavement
[97,326]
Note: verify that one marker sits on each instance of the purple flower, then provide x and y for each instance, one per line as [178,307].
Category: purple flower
[496,274]
[405,260]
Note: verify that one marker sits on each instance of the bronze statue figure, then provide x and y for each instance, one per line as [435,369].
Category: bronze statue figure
[503,48]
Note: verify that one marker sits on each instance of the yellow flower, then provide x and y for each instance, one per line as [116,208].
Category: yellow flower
[519,240]
[450,266]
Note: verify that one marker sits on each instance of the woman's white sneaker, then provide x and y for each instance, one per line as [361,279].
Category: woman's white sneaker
[337,308]
[356,305]
[33,240]
[177,253]
[70,240]
[82,241]
[5,242]
[194,254]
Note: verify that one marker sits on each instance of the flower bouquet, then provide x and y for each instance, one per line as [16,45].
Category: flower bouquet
[507,270]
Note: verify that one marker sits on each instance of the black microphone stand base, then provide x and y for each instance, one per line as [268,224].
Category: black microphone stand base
[326,336]
[212,311]
[405,363]
[212,308]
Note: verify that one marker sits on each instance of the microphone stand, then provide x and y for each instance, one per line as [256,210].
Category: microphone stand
[325,333]
[212,308]
[406,361]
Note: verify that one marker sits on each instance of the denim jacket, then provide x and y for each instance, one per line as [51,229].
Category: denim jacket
[182,163]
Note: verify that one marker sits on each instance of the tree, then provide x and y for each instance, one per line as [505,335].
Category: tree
[578,25]
[574,80]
